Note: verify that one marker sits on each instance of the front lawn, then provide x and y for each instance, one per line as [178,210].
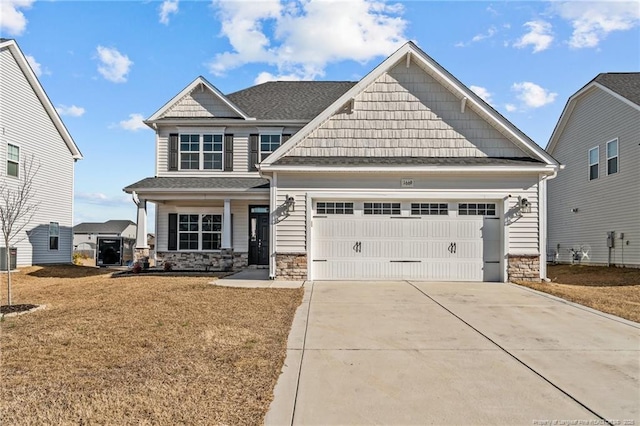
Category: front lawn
[607,289]
[140,349]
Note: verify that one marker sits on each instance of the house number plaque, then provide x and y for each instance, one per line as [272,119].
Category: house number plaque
[406,183]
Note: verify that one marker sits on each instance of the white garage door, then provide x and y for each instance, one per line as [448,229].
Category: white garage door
[432,241]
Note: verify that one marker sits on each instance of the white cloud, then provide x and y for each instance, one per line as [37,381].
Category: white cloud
[510,107]
[532,95]
[134,123]
[12,19]
[35,65]
[102,199]
[114,65]
[592,21]
[167,8]
[539,36]
[482,92]
[490,33]
[73,111]
[305,36]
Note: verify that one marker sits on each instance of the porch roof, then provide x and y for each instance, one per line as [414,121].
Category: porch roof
[179,184]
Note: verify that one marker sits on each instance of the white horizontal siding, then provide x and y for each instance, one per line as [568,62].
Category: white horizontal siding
[521,231]
[405,112]
[25,122]
[609,203]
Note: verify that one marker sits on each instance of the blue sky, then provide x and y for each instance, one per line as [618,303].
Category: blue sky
[107,65]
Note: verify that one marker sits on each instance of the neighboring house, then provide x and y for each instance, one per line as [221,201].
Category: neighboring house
[85,233]
[32,129]
[406,174]
[594,204]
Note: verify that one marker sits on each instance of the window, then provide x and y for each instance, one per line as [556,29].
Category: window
[612,157]
[193,228]
[381,208]
[441,209]
[13,160]
[594,163]
[194,147]
[477,209]
[268,144]
[54,235]
[334,208]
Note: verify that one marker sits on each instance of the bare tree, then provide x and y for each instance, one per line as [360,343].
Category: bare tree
[17,208]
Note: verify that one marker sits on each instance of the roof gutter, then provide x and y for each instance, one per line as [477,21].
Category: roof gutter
[547,169]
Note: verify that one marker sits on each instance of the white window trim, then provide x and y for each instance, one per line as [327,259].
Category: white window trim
[597,149]
[7,158]
[615,156]
[49,239]
[200,232]
[268,131]
[201,150]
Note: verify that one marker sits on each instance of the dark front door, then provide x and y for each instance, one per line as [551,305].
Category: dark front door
[258,235]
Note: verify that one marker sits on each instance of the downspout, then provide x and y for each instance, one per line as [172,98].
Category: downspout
[273,181]
[542,217]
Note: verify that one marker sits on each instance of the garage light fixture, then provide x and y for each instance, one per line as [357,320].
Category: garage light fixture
[290,203]
[524,205]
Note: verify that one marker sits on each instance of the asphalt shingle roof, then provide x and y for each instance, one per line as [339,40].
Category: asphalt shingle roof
[204,183]
[108,227]
[625,84]
[402,161]
[289,100]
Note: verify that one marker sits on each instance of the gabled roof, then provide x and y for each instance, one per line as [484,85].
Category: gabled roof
[108,227]
[202,83]
[624,86]
[31,77]
[179,183]
[410,52]
[287,100]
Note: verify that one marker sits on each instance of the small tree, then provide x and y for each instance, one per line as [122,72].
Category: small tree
[17,209]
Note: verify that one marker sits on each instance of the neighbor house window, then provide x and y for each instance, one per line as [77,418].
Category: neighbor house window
[13,160]
[381,208]
[594,163]
[201,152]
[612,157]
[334,208]
[268,144]
[441,209]
[477,209]
[54,235]
[199,232]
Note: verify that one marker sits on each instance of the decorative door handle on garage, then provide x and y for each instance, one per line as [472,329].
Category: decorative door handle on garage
[357,247]
[453,248]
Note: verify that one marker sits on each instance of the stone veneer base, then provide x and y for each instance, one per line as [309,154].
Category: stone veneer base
[523,268]
[291,266]
[224,260]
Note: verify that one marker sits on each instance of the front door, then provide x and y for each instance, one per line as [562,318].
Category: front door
[258,235]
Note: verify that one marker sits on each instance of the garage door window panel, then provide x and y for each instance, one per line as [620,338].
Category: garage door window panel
[476,209]
[429,209]
[334,207]
[381,208]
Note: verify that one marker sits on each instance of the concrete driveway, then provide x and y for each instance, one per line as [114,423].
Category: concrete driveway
[454,353]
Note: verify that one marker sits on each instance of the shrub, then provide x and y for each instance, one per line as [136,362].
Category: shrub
[168,266]
[137,268]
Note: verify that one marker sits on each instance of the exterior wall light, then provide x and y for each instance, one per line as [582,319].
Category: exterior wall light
[524,205]
[290,203]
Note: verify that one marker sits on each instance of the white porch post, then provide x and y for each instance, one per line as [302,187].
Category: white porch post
[226,225]
[141,231]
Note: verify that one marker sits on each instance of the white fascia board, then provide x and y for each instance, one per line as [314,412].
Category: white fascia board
[432,67]
[569,107]
[31,77]
[229,122]
[205,191]
[194,84]
[546,169]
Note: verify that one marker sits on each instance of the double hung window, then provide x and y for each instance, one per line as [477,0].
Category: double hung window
[199,232]
[612,157]
[594,163]
[13,160]
[201,152]
[268,144]
[54,235]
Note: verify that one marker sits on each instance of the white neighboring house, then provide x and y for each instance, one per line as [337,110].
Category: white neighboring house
[594,204]
[31,127]
[406,174]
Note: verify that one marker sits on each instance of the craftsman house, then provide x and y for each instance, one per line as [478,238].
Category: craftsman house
[406,174]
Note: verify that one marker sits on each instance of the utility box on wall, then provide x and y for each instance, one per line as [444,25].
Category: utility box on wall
[13,254]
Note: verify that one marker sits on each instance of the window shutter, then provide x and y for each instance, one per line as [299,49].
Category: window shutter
[253,153]
[228,153]
[173,232]
[173,151]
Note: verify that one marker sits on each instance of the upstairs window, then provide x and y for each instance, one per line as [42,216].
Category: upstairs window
[612,157]
[13,160]
[268,144]
[54,235]
[201,152]
[594,163]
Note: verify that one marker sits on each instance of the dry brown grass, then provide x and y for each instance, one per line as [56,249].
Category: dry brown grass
[612,290]
[140,349]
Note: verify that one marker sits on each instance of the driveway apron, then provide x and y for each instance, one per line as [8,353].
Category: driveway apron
[454,353]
